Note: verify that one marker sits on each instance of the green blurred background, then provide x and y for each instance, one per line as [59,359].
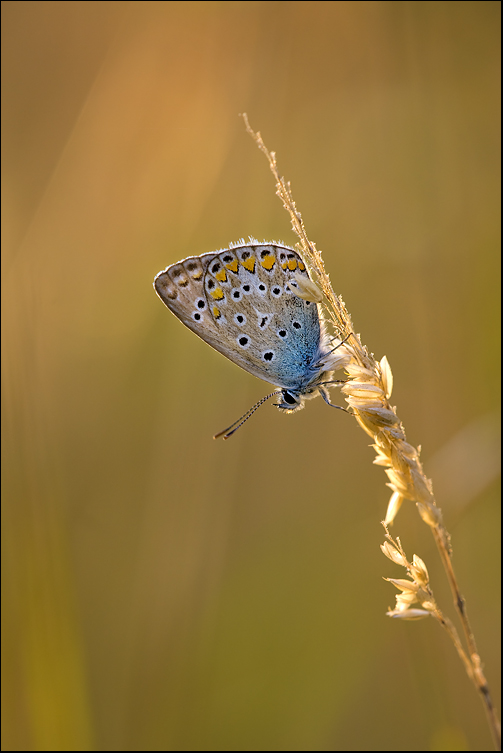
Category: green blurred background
[163,591]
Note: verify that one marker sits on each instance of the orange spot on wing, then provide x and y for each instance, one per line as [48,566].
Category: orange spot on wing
[217,294]
[249,264]
[268,262]
[221,276]
[216,312]
[292,264]
[233,265]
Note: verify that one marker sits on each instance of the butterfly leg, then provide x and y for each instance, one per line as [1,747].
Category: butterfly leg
[326,397]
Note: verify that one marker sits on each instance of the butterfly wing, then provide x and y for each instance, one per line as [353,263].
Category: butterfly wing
[180,287]
[239,301]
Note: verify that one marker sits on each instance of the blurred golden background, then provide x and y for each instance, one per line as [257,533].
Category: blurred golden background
[164,591]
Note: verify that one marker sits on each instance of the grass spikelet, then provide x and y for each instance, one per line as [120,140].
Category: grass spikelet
[367,393]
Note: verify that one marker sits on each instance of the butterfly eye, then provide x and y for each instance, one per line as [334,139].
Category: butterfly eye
[288,398]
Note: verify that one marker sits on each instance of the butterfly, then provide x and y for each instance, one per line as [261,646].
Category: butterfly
[249,303]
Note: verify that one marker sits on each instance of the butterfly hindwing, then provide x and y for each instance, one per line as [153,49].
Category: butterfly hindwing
[241,303]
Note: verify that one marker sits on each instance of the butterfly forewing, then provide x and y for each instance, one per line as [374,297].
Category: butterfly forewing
[181,288]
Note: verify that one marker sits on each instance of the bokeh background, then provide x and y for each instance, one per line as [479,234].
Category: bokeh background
[163,591]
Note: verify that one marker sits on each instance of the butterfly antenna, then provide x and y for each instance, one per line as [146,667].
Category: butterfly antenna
[226,433]
[341,343]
